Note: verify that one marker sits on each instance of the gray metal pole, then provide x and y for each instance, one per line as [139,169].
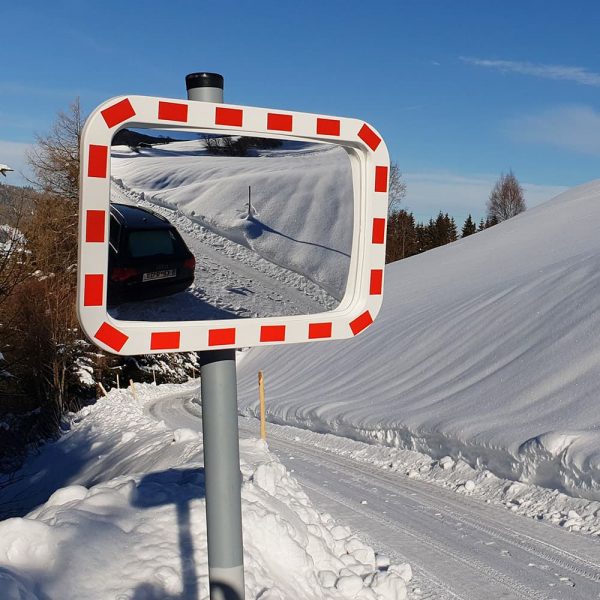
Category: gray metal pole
[221,436]
[222,475]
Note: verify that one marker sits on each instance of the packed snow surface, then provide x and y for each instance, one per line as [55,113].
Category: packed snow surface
[486,350]
[126,519]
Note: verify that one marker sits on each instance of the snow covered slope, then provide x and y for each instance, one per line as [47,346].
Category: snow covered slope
[488,348]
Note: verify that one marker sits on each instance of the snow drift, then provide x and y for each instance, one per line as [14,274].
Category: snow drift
[126,519]
[486,349]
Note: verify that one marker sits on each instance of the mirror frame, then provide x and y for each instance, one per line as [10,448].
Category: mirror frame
[364,290]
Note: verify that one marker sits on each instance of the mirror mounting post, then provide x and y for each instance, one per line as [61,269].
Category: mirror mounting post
[221,435]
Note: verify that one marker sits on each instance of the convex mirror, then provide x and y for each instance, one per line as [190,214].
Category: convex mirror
[205,226]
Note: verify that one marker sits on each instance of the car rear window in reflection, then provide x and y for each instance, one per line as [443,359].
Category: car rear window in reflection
[150,243]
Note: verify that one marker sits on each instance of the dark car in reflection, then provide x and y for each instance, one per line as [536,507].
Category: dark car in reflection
[147,256]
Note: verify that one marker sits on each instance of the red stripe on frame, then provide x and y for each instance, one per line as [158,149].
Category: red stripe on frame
[119,112]
[112,337]
[319,330]
[229,116]
[328,126]
[381,179]
[94,225]
[165,340]
[97,161]
[173,111]
[378,231]
[279,122]
[93,289]
[361,322]
[369,137]
[221,337]
[272,333]
[376,285]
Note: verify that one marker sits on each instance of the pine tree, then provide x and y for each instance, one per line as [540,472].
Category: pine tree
[452,230]
[436,233]
[490,222]
[469,228]
[444,230]
[401,238]
[426,236]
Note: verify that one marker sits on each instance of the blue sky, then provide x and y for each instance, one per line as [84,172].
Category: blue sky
[460,90]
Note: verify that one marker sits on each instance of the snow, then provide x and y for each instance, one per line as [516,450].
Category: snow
[123,517]
[230,279]
[11,240]
[301,193]
[535,502]
[480,376]
[485,350]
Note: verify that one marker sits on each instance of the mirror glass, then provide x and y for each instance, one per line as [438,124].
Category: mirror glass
[207,226]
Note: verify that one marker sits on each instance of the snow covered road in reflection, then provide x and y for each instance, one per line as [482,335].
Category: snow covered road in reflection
[230,281]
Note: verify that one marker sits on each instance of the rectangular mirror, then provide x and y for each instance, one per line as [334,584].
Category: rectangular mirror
[206,226]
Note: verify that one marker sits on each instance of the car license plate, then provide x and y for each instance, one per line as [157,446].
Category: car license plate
[159,275]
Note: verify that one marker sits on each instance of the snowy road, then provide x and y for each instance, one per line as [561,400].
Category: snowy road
[230,280]
[460,548]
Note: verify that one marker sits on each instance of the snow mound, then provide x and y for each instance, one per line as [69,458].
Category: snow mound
[485,350]
[130,521]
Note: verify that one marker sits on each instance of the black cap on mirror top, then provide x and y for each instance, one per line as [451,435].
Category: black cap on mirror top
[198,80]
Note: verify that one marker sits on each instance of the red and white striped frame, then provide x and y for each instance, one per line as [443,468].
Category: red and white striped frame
[361,303]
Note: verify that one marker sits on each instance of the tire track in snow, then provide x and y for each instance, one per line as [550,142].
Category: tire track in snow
[459,547]
[443,503]
[482,570]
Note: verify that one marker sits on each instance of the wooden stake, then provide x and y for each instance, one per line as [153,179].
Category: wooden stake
[102,388]
[154,374]
[118,385]
[261,396]
[133,389]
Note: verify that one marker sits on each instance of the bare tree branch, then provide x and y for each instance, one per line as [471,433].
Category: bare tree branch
[397,189]
[506,199]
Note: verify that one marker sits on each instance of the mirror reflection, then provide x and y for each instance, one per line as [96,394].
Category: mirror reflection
[219,227]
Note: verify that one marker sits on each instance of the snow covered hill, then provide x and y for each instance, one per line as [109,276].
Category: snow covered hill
[487,349]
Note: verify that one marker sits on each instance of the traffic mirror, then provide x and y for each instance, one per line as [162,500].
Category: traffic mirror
[269,223]
[209,226]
